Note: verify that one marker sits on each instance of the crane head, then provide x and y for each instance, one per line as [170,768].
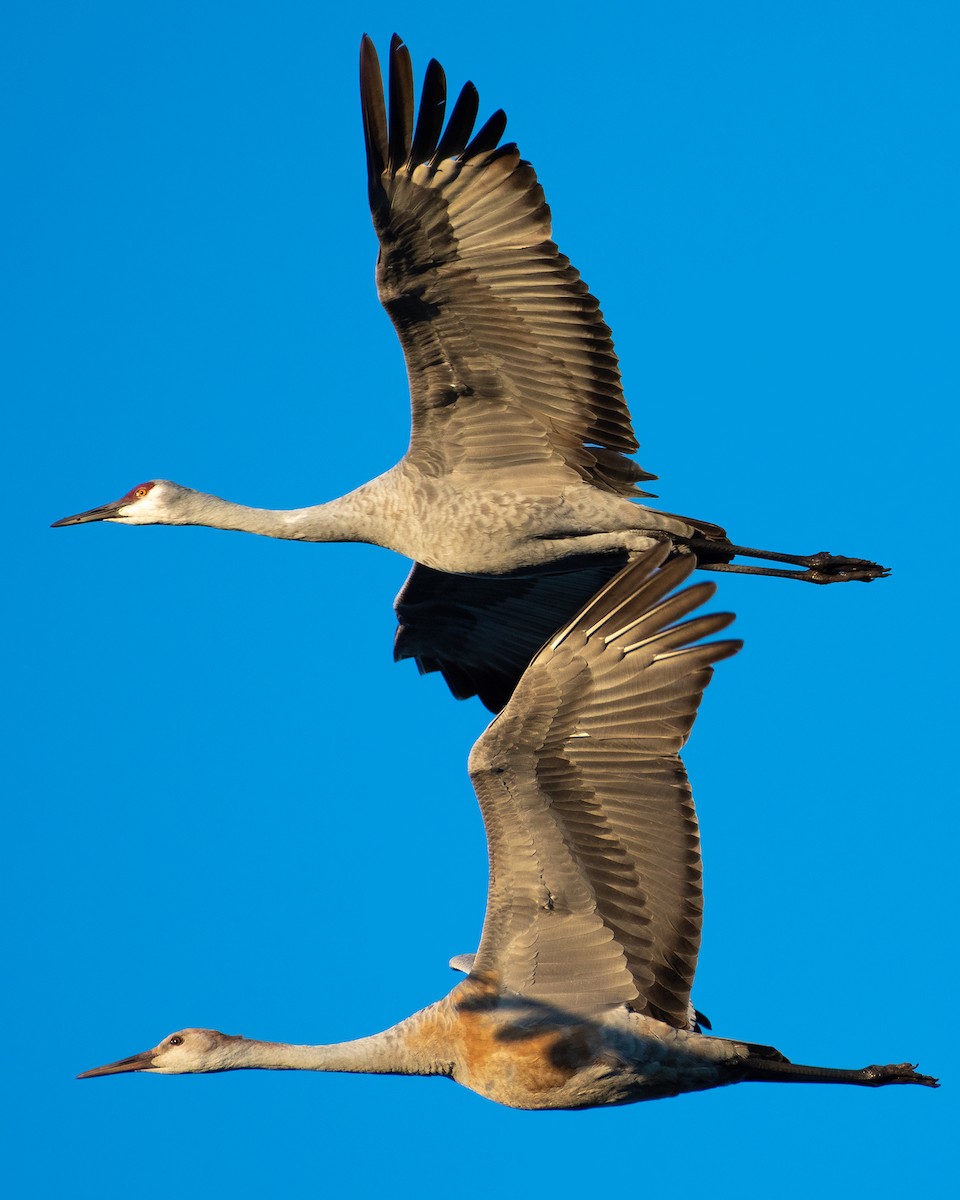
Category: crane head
[150,503]
[182,1053]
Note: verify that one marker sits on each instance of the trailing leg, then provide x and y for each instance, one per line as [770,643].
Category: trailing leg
[762,1070]
[820,568]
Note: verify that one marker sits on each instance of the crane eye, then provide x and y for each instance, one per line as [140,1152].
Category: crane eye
[140,493]
[176,1041]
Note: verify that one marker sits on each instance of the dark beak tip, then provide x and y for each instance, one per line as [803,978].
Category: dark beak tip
[123,1066]
[105,512]
[93,1073]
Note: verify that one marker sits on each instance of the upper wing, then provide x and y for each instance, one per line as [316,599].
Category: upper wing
[595,894]
[481,631]
[509,360]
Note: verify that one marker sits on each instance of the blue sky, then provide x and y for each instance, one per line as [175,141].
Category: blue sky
[229,808]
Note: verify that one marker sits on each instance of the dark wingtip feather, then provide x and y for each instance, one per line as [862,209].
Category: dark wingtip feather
[374,113]
[488,135]
[401,103]
[460,125]
[433,100]
[389,133]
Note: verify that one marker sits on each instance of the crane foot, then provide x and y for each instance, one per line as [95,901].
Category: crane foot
[834,568]
[877,1076]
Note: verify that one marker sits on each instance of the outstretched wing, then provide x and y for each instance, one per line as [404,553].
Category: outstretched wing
[595,892]
[481,631]
[509,360]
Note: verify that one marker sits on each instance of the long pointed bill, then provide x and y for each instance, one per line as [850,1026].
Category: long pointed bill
[136,1062]
[106,512]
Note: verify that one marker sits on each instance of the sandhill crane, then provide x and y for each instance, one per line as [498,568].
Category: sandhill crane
[579,994]
[518,462]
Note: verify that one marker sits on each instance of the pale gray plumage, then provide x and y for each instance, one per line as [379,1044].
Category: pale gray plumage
[517,496]
[579,992]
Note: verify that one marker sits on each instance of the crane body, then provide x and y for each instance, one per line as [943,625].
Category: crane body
[579,994]
[519,472]
[513,528]
[518,1054]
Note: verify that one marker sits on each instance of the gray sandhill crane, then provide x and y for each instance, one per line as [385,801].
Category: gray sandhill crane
[518,462]
[579,994]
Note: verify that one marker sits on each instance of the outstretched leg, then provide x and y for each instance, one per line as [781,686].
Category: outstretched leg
[820,568]
[762,1070]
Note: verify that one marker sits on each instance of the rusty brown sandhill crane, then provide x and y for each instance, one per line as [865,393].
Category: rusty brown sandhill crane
[518,462]
[579,994]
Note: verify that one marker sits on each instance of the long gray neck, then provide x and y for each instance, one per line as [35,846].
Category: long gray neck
[351,518]
[401,1050]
